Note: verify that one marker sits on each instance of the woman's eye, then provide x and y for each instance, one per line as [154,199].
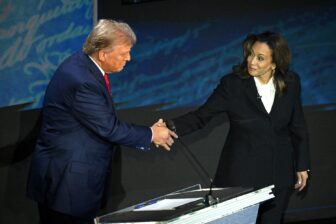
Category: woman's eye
[260,58]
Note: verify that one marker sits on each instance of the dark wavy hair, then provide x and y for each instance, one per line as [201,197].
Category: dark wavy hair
[281,57]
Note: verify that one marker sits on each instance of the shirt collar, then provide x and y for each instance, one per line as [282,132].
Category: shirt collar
[100,69]
[270,83]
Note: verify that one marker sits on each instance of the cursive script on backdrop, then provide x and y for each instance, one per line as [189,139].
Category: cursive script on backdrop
[34,41]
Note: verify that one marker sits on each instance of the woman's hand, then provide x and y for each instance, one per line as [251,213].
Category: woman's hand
[301,181]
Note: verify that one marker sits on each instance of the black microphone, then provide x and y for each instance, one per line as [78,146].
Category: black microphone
[208,198]
[258,96]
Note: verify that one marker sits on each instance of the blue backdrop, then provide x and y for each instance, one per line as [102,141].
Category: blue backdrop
[174,64]
[179,64]
[35,37]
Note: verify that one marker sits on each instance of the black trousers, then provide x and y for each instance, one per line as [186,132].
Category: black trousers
[271,211]
[48,216]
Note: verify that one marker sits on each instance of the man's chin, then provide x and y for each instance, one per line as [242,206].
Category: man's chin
[117,70]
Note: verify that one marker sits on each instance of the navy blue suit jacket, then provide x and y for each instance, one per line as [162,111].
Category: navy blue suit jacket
[79,132]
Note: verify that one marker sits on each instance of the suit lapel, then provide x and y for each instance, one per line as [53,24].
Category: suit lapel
[93,69]
[252,95]
[275,103]
[95,72]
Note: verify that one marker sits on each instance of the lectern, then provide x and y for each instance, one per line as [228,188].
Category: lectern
[187,206]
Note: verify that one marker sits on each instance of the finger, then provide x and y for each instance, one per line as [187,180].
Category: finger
[299,179]
[298,182]
[302,187]
[303,184]
[173,134]
[162,124]
[170,142]
[166,147]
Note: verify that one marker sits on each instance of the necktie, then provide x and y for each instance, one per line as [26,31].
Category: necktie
[107,83]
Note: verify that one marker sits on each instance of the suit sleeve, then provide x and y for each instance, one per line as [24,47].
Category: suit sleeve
[215,104]
[299,133]
[92,110]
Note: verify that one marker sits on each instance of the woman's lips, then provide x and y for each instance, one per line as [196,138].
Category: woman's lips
[252,69]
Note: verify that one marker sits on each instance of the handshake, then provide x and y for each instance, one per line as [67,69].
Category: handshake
[162,136]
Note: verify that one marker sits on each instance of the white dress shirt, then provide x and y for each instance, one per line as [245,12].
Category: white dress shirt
[266,93]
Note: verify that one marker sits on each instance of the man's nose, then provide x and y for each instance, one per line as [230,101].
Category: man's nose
[128,57]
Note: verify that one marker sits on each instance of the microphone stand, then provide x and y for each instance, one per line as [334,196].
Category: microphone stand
[208,198]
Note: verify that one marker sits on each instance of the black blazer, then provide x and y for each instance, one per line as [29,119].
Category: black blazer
[261,149]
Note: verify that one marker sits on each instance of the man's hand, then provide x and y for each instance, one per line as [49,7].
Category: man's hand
[162,136]
[301,181]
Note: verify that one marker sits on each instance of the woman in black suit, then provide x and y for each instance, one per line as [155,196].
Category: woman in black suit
[267,142]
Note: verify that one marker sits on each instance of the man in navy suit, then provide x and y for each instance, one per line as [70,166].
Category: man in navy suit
[80,129]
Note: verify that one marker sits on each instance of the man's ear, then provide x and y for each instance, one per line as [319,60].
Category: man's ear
[101,55]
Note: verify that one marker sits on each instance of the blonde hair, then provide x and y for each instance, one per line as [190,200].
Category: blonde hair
[107,34]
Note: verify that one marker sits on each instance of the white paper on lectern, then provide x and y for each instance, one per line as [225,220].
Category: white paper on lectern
[208,189]
[167,204]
